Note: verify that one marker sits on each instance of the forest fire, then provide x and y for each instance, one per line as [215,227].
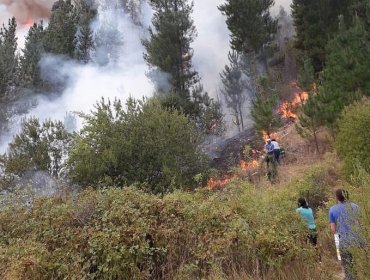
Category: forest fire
[248,166]
[216,183]
[289,109]
[272,135]
[28,23]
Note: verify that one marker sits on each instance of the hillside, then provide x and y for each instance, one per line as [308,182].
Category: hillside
[240,231]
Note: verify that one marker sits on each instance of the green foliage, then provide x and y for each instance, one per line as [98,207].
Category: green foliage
[306,76]
[353,138]
[141,142]
[62,28]
[345,77]
[263,110]
[250,23]
[310,120]
[42,147]
[315,22]
[30,76]
[360,194]
[8,56]
[8,69]
[168,48]
[168,51]
[127,234]
[84,39]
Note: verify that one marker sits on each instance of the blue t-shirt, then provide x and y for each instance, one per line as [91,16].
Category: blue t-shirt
[307,215]
[346,217]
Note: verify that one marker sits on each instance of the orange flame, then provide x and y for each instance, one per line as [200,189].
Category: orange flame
[288,109]
[273,135]
[28,23]
[216,183]
[247,166]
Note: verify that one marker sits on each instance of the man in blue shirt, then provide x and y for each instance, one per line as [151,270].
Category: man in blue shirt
[344,221]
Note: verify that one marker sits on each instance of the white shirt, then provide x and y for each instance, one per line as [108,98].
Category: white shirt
[276,145]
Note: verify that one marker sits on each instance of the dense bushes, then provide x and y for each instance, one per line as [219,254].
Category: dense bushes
[138,143]
[353,143]
[127,234]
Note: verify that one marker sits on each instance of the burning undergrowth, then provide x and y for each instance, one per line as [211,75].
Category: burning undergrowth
[241,157]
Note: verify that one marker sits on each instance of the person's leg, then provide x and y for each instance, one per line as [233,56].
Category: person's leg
[313,237]
[347,263]
[277,156]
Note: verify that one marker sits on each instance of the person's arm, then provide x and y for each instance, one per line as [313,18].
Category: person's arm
[333,228]
[332,221]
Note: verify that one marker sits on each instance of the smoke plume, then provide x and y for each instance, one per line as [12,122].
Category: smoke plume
[26,11]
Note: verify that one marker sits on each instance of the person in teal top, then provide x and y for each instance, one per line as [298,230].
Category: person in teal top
[307,215]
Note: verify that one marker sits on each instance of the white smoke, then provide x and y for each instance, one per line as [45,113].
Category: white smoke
[86,84]
[119,78]
[212,45]
[282,3]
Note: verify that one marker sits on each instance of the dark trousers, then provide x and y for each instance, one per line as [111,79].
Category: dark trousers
[277,155]
[312,237]
[347,263]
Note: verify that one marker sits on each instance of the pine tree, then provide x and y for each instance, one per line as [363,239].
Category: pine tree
[8,70]
[250,23]
[60,35]
[30,76]
[235,87]
[310,120]
[168,48]
[315,22]
[263,112]
[8,56]
[345,79]
[85,12]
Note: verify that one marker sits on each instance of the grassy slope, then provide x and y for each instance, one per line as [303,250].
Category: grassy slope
[242,231]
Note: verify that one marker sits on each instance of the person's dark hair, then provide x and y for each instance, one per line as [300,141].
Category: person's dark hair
[342,195]
[302,202]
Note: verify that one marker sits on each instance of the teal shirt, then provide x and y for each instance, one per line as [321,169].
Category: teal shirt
[307,215]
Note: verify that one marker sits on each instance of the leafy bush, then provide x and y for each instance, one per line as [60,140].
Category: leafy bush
[353,144]
[39,146]
[127,234]
[142,142]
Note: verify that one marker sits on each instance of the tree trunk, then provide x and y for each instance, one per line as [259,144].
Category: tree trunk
[241,116]
[316,140]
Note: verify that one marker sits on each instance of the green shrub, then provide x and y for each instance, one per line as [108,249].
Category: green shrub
[353,144]
[38,146]
[128,234]
[138,143]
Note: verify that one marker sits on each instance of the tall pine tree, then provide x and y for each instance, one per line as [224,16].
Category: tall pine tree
[315,22]
[234,87]
[60,35]
[346,76]
[168,48]
[8,69]
[263,112]
[8,56]
[85,12]
[30,76]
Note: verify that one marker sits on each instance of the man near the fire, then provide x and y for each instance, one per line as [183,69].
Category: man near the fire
[270,159]
[344,221]
[276,150]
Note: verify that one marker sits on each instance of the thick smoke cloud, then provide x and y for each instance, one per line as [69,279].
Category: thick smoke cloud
[122,77]
[86,84]
[25,11]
